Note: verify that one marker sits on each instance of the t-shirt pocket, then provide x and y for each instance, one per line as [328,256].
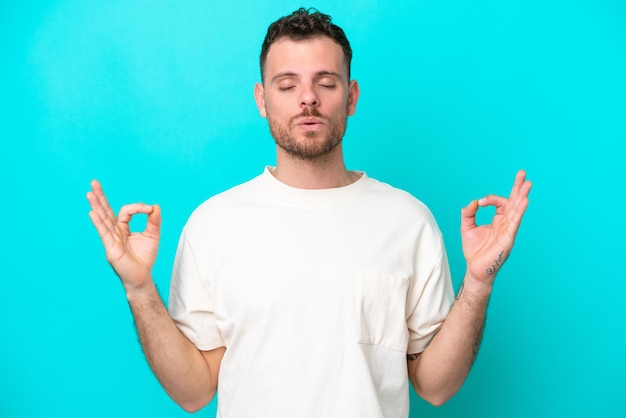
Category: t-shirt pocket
[379,310]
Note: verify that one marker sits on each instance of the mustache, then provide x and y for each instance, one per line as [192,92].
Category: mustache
[308,112]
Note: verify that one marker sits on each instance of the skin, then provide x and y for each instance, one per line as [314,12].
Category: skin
[306,97]
[306,78]
[439,372]
[187,374]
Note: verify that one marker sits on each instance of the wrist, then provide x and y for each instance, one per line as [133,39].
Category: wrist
[138,293]
[475,290]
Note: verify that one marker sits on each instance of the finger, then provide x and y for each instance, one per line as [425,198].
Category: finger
[468,216]
[518,212]
[102,204]
[153,227]
[96,207]
[106,235]
[525,189]
[128,211]
[493,200]
[520,202]
[518,208]
[520,178]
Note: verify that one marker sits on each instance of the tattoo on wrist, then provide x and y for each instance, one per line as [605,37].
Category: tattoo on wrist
[496,265]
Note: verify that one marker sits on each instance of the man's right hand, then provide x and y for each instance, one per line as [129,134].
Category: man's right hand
[188,375]
[131,255]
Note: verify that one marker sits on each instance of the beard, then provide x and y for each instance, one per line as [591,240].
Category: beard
[314,145]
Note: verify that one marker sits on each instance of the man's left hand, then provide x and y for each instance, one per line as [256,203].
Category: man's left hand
[486,247]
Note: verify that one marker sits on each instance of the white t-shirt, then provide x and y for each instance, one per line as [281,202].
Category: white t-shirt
[318,295]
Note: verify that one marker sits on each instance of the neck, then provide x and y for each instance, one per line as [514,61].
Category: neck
[323,173]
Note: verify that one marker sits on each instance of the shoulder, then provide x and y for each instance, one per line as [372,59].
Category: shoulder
[395,200]
[223,206]
[402,213]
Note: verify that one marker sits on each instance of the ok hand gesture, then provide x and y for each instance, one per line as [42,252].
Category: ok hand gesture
[131,255]
[486,247]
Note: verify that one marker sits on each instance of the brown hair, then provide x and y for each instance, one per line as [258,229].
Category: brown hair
[305,24]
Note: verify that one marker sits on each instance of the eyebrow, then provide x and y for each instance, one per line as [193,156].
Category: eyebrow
[289,74]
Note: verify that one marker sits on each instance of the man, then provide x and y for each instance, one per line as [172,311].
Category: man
[310,290]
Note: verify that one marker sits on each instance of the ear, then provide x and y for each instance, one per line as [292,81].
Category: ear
[259,98]
[353,96]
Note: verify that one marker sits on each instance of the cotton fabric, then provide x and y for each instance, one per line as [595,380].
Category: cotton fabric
[317,295]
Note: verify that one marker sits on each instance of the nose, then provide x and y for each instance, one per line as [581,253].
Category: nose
[308,97]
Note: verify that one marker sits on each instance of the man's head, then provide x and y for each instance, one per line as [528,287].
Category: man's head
[306,93]
[301,25]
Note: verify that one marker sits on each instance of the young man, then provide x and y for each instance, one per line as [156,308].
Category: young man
[310,290]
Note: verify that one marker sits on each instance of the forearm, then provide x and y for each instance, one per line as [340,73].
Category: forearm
[439,372]
[179,366]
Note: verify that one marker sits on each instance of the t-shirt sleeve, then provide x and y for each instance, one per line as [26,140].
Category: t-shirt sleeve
[190,300]
[431,294]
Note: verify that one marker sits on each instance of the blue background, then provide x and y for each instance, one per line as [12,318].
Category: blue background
[155,100]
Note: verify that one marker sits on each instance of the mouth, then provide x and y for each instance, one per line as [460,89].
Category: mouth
[310,124]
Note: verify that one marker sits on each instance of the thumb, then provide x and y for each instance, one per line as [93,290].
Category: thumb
[468,216]
[153,226]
